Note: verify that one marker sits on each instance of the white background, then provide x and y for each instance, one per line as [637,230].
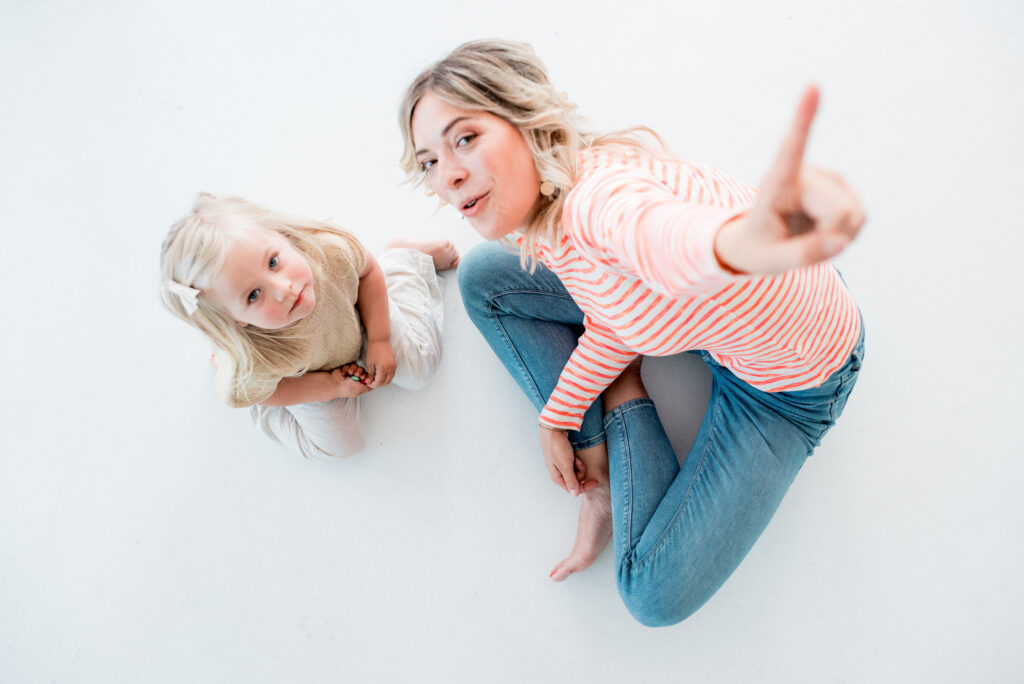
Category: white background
[149,534]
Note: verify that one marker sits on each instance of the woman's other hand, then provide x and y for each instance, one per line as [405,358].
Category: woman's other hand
[802,215]
[564,468]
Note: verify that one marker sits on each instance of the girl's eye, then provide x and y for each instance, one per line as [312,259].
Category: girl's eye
[465,140]
[253,296]
[426,165]
[273,262]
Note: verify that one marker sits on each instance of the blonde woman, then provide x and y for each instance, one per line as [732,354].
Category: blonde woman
[642,253]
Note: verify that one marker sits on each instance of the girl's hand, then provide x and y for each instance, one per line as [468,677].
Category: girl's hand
[380,363]
[564,469]
[346,385]
[802,215]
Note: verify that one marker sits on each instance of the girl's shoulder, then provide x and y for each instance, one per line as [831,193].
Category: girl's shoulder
[338,244]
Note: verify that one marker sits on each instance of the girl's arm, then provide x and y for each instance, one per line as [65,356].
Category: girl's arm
[319,386]
[373,308]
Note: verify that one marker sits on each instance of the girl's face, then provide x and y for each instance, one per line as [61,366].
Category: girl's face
[264,282]
[478,163]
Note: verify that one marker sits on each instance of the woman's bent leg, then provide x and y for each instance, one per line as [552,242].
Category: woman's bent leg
[532,324]
[681,532]
[530,321]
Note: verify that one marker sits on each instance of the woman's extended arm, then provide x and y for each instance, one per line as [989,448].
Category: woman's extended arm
[685,228]
[802,215]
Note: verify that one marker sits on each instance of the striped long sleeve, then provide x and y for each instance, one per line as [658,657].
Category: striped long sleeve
[637,255]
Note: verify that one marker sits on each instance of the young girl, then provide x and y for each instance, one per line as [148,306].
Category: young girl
[286,301]
[645,253]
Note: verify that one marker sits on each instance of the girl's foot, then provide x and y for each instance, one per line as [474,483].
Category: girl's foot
[595,531]
[443,252]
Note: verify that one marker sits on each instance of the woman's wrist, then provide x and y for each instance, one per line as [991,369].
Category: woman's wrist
[723,243]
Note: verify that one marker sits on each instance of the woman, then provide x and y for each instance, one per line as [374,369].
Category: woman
[644,254]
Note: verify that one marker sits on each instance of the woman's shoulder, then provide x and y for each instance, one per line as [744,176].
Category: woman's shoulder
[625,159]
[608,169]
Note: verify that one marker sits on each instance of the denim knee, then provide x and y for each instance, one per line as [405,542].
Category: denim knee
[656,606]
[479,272]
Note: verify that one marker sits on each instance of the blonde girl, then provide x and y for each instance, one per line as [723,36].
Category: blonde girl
[642,253]
[291,304]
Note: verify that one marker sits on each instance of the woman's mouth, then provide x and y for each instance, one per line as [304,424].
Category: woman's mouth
[473,207]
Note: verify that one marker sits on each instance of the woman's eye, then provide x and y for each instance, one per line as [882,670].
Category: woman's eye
[253,296]
[426,165]
[465,140]
[273,262]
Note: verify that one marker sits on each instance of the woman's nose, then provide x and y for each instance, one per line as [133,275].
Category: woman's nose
[455,174]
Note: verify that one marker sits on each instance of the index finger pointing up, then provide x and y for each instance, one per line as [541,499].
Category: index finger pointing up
[791,154]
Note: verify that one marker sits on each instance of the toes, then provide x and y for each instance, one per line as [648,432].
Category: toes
[561,571]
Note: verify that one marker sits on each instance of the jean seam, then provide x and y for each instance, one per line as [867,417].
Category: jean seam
[714,412]
[532,291]
[627,471]
[618,414]
[627,474]
[586,444]
[523,368]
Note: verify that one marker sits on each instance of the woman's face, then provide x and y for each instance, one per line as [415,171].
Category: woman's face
[478,163]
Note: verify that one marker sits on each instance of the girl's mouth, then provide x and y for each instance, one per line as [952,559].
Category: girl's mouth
[298,300]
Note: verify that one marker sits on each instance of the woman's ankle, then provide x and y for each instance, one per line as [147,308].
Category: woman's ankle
[595,462]
[627,387]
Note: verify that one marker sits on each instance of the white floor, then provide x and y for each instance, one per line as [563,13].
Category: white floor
[149,534]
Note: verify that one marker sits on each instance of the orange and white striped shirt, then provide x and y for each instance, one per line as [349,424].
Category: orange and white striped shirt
[637,254]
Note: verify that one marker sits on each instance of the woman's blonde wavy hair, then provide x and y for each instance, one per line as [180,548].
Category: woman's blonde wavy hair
[194,251]
[507,79]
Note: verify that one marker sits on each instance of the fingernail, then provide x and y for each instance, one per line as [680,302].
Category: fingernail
[574,492]
[551,574]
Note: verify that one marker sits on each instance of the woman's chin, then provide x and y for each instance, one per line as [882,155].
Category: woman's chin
[491,231]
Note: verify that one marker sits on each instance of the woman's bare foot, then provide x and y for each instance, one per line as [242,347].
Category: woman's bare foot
[443,252]
[595,526]
[595,523]
[595,531]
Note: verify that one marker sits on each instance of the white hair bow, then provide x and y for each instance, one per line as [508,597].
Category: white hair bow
[186,295]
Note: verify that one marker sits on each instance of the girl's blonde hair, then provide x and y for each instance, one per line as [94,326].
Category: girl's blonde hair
[507,79]
[194,251]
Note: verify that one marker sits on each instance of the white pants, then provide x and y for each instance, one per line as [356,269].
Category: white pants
[331,429]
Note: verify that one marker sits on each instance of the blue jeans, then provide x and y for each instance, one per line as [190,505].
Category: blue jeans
[678,532]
